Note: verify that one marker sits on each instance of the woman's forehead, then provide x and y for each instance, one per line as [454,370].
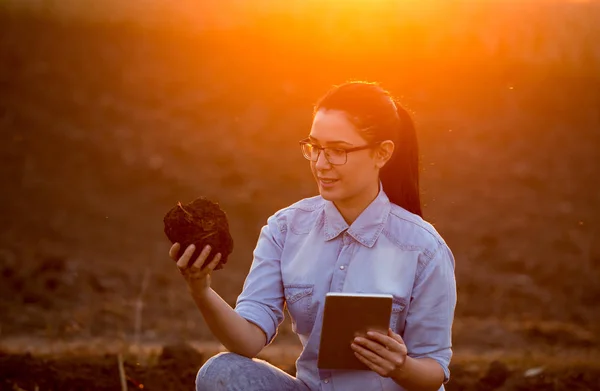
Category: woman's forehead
[332,126]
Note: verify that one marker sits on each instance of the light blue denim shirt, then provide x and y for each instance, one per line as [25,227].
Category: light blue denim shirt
[307,250]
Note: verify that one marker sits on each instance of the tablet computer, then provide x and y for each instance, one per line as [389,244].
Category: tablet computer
[345,316]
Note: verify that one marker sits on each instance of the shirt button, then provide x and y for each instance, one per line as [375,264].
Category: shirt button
[326,381]
[342,267]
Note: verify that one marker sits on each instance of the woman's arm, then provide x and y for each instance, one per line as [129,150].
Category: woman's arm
[418,360]
[419,374]
[235,333]
[428,326]
[387,355]
[259,310]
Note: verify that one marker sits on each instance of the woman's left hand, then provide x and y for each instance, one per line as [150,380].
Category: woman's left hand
[384,354]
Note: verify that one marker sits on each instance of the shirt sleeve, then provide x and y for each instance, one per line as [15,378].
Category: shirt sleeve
[261,300]
[428,328]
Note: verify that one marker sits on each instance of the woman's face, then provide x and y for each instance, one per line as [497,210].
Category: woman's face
[359,177]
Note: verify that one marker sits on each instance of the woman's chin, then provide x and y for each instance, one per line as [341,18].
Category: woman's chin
[328,194]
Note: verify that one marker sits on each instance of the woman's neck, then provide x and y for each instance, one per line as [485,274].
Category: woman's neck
[351,208]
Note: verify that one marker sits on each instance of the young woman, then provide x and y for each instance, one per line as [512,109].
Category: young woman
[363,233]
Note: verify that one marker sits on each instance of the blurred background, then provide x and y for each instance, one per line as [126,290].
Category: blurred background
[111,112]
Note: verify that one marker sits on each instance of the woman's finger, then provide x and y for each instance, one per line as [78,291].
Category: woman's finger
[200,260]
[185,257]
[374,367]
[211,266]
[397,337]
[369,354]
[202,257]
[375,347]
[387,341]
[174,250]
[199,272]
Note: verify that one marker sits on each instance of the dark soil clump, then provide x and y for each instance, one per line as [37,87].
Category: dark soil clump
[200,222]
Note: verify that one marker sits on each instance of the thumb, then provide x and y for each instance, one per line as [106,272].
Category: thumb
[397,337]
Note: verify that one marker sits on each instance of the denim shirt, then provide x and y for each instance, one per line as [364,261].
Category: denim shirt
[307,250]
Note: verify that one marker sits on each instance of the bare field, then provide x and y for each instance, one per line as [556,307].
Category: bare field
[106,126]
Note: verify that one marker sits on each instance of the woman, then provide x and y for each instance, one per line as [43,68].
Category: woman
[363,233]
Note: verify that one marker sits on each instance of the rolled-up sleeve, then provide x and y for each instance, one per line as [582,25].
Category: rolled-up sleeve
[261,300]
[428,328]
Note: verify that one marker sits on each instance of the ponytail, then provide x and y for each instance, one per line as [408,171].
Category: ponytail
[373,111]
[400,176]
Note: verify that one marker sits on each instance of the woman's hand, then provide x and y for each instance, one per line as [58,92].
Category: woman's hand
[384,354]
[198,279]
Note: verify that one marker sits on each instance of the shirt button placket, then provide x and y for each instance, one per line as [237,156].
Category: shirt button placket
[346,238]
[343,260]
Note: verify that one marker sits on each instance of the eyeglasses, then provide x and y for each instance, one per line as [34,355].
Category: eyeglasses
[335,156]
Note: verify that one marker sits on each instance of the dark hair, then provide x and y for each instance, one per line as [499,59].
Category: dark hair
[379,117]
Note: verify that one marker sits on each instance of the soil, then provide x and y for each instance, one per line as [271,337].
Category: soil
[201,223]
[175,369]
[176,366]
[106,125]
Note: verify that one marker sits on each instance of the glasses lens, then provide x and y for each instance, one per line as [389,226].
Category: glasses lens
[335,156]
[309,151]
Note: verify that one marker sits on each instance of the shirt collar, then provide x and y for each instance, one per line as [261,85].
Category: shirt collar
[366,228]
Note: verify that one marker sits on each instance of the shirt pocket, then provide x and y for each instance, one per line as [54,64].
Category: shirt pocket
[398,314]
[298,298]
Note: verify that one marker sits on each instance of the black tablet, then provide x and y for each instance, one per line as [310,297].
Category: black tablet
[345,316]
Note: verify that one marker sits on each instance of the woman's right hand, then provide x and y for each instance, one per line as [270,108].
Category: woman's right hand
[197,278]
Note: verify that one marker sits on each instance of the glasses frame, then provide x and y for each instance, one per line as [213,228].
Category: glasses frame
[346,150]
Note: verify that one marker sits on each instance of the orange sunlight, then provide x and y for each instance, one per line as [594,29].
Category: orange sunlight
[113,111]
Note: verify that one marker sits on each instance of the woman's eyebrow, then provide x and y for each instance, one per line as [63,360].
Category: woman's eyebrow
[329,142]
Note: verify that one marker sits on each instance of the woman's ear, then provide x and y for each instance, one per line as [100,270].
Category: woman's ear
[384,153]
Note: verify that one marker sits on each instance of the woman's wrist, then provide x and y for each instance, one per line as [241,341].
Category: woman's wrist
[200,295]
[419,374]
[401,373]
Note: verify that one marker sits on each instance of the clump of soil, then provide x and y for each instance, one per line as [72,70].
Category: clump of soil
[200,222]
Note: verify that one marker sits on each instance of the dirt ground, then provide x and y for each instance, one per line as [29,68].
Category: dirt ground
[176,367]
[105,127]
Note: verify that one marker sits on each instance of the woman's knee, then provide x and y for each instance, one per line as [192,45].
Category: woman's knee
[217,371]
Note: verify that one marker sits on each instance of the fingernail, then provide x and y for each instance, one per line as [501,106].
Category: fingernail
[207,247]
[192,246]
[370,334]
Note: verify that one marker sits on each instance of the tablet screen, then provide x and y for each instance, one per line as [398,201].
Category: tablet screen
[345,316]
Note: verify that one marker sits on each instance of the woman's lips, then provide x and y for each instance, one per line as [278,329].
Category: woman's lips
[327,182]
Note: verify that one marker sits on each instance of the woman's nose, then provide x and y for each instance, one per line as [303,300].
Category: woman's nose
[322,162]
